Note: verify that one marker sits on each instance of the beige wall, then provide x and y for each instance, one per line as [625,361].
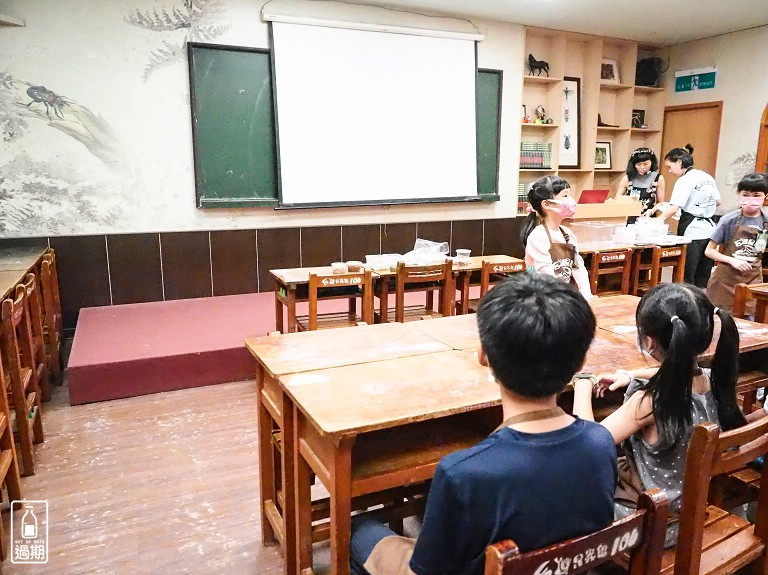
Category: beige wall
[741,59]
[120,159]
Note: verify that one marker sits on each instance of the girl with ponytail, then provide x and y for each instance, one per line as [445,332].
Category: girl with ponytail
[550,247]
[675,324]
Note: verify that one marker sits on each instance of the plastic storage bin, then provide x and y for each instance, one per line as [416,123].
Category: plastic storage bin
[594,232]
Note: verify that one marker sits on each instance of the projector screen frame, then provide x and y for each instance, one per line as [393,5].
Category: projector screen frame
[370,202]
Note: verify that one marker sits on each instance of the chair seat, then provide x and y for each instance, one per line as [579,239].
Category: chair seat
[329,321]
[725,536]
[411,313]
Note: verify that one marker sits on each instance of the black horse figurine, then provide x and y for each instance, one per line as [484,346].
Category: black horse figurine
[534,64]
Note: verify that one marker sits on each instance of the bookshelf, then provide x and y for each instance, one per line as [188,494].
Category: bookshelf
[601,101]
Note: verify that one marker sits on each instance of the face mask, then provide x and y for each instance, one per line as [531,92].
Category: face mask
[750,204]
[565,207]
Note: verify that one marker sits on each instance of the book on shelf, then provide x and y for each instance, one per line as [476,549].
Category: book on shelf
[535,155]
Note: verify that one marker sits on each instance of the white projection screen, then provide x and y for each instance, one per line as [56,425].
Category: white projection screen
[373,117]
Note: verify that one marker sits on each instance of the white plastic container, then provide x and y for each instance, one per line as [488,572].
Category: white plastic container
[594,232]
[382,261]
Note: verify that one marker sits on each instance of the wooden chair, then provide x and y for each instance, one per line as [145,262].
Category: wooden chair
[52,326]
[35,313]
[711,540]
[640,534]
[438,277]
[652,261]
[9,464]
[338,286]
[18,360]
[491,274]
[610,263]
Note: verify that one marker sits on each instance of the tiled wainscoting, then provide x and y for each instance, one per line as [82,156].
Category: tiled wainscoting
[133,268]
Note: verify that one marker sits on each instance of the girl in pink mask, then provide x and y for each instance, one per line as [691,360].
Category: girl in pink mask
[550,247]
[743,234]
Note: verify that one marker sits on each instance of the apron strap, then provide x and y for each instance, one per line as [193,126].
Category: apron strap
[537,415]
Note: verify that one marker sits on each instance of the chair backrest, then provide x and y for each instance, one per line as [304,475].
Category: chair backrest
[319,283]
[712,453]
[640,534]
[493,272]
[670,256]
[611,262]
[437,276]
[49,286]
[16,339]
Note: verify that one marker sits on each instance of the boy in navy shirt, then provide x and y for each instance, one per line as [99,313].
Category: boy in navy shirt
[542,476]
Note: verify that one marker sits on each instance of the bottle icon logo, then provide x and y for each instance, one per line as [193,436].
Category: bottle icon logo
[29,531]
[29,524]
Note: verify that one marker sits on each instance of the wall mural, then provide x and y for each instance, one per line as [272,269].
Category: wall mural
[50,194]
[200,19]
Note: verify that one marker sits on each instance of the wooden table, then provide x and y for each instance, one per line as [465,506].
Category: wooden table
[280,355]
[15,263]
[371,426]
[288,283]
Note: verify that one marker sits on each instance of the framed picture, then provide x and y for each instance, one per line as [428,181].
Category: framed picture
[638,119]
[609,72]
[570,124]
[602,155]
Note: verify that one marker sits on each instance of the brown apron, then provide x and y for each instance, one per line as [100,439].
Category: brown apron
[563,257]
[392,555]
[721,284]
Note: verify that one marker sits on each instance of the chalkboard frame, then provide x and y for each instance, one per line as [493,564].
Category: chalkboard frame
[206,200]
[202,198]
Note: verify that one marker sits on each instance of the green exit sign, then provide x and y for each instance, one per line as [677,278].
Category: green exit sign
[689,80]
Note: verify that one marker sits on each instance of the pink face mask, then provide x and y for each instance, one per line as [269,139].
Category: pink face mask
[565,207]
[750,204]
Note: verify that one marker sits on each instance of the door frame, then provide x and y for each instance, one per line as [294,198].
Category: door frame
[762,142]
[716,104]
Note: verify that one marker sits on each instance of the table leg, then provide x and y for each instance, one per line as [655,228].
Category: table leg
[302,503]
[341,506]
[384,299]
[278,311]
[760,306]
[288,470]
[267,488]
[462,283]
[291,305]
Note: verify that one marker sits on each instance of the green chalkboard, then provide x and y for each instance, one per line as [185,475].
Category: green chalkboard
[233,127]
[488,90]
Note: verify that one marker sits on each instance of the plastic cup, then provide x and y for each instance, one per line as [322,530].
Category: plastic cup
[463,254]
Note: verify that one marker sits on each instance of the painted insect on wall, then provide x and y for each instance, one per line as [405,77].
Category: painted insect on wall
[567,143]
[49,99]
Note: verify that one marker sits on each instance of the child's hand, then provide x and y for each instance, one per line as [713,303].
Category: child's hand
[740,265]
[611,382]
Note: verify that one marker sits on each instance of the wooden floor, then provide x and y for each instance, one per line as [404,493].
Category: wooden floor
[159,484]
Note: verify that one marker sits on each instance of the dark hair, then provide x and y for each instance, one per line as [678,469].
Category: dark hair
[641,155]
[535,331]
[684,154]
[542,189]
[680,319]
[754,182]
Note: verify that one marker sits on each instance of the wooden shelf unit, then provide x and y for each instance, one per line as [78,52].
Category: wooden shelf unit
[580,55]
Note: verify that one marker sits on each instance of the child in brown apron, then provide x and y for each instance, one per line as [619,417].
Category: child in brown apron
[743,234]
[550,247]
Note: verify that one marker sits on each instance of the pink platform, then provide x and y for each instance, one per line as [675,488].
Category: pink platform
[136,349]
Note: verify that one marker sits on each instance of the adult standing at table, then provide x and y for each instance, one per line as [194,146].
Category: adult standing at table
[643,181]
[696,196]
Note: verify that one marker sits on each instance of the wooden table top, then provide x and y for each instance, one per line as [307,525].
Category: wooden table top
[8,281]
[19,259]
[296,276]
[457,331]
[307,351]
[473,263]
[592,247]
[617,315]
[761,291]
[369,396]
